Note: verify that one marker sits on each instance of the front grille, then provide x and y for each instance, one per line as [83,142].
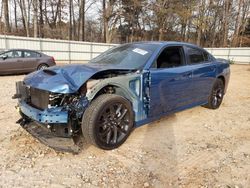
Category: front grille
[39,98]
[22,90]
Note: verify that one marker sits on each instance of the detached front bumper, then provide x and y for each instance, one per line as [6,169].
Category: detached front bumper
[48,126]
[47,116]
[55,126]
[36,107]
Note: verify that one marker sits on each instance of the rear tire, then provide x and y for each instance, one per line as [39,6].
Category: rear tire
[108,121]
[42,66]
[216,95]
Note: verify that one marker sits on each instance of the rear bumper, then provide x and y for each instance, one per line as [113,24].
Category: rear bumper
[227,78]
[47,116]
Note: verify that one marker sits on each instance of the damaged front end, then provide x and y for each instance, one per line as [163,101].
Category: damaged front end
[52,101]
[53,118]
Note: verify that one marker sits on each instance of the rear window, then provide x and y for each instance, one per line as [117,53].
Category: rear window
[195,55]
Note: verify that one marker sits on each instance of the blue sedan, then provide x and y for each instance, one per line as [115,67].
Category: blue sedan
[125,87]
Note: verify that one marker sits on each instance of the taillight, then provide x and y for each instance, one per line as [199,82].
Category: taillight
[53,59]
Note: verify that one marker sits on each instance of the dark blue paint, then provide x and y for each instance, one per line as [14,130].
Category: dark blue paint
[170,88]
[66,79]
[203,78]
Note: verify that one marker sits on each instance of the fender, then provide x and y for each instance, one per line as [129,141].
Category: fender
[124,87]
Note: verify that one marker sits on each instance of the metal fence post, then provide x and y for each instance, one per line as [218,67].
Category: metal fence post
[91,50]
[228,55]
[69,51]
[6,42]
[41,44]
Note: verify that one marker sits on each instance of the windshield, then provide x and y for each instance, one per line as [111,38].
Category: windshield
[128,56]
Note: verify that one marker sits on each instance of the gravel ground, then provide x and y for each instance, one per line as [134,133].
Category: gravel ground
[194,148]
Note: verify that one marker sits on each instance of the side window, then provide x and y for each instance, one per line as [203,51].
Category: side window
[170,57]
[17,54]
[12,54]
[30,54]
[195,55]
[206,56]
[6,54]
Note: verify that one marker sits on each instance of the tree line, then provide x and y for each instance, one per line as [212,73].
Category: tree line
[208,23]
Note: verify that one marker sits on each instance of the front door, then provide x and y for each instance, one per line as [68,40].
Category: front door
[170,82]
[30,60]
[11,62]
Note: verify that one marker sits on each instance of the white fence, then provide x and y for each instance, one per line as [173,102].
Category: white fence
[239,55]
[73,51]
[62,50]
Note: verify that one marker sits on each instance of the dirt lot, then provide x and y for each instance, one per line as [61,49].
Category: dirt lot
[194,148]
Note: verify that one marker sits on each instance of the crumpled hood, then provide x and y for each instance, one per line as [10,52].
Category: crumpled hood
[65,79]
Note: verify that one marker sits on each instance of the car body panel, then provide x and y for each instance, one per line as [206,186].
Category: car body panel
[130,87]
[11,65]
[203,77]
[170,88]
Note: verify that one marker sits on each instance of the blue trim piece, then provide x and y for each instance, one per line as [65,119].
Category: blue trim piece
[53,115]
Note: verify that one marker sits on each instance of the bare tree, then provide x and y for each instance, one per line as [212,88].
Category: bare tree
[6,16]
[105,20]
[226,21]
[24,17]
[15,14]
[41,21]
[70,19]
[1,16]
[35,8]
[82,20]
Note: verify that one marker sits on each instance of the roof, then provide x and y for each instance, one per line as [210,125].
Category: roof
[160,43]
[21,50]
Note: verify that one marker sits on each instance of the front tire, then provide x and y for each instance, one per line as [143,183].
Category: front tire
[216,95]
[108,121]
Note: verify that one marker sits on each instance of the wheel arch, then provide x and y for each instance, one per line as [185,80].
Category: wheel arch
[42,63]
[123,86]
[116,89]
[222,78]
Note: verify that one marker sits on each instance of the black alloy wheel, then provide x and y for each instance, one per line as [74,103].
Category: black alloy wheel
[217,94]
[108,121]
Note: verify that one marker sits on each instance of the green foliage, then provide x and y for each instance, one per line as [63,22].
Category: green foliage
[231,61]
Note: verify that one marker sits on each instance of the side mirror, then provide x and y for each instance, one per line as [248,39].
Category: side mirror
[4,57]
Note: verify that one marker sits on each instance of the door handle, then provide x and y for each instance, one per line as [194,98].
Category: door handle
[212,69]
[188,75]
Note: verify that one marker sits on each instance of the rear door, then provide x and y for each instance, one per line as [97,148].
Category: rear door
[204,73]
[170,82]
[31,59]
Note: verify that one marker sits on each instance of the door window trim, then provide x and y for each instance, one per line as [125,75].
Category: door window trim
[184,60]
[201,50]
